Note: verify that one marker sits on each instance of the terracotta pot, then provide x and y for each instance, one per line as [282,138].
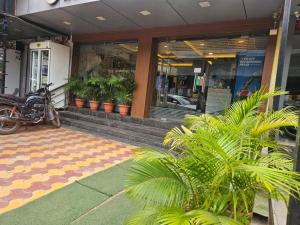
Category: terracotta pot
[108,107]
[94,105]
[124,110]
[79,102]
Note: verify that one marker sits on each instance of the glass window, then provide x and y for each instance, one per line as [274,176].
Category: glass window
[206,75]
[293,81]
[108,58]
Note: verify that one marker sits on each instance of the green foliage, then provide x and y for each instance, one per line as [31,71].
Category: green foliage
[108,87]
[126,88]
[93,88]
[76,86]
[214,168]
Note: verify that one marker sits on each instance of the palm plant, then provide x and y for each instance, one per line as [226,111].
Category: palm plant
[214,168]
[126,87]
[108,87]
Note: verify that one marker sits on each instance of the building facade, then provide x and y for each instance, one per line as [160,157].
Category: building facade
[186,56]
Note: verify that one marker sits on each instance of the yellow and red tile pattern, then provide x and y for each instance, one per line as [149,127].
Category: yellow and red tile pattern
[42,159]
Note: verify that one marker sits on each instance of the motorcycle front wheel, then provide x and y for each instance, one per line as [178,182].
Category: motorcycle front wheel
[8,127]
[56,121]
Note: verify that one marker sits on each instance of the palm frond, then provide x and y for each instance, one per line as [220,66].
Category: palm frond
[270,121]
[274,179]
[146,216]
[153,183]
[177,137]
[194,217]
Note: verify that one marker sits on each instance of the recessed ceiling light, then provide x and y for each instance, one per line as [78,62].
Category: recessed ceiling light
[100,18]
[67,23]
[202,44]
[204,4]
[210,53]
[145,13]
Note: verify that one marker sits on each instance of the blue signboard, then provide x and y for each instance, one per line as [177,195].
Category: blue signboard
[248,73]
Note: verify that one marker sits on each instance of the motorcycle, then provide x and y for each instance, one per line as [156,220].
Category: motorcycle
[34,108]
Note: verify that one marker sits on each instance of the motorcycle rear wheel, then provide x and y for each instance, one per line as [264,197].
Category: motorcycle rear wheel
[56,122]
[8,127]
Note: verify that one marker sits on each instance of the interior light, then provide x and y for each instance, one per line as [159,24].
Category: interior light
[210,53]
[166,46]
[241,41]
[166,56]
[100,18]
[204,4]
[202,44]
[67,23]
[220,56]
[145,13]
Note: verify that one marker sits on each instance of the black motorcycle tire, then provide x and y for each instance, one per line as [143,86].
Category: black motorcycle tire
[56,121]
[12,130]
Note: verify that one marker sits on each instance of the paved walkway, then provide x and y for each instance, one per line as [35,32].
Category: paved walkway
[40,160]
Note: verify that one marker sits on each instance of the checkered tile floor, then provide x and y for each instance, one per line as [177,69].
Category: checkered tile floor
[42,159]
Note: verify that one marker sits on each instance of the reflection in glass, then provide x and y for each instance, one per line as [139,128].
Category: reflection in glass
[197,76]
[108,58]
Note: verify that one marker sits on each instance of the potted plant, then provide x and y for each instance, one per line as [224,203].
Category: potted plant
[124,93]
[76,87]
[124,99]
[215,167]
[93,93]
[80,94]
[108,87]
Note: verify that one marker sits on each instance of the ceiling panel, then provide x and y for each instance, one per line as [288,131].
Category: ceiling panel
[40,5]
[55,18]
[22,7]
[262,9]
[89,12]
[219,10]
[162,13]
[69,3]
[49,25]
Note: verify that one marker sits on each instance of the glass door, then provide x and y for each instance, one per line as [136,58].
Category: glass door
[44,67]
[34,81]
[2,70]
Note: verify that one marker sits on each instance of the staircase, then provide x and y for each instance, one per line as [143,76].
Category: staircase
[140,132]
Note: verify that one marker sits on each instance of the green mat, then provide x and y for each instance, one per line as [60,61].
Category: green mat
[120,207]
[110,181]
[69,203]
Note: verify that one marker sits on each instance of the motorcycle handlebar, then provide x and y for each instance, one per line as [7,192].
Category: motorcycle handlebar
[48,85]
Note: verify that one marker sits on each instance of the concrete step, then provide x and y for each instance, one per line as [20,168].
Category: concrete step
[127,136]
[154,131]
[151,122]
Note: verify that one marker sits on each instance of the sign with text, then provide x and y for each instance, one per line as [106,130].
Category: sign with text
[197,70]
[248,73]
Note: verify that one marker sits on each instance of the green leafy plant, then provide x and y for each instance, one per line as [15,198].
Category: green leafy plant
[76,86]
[108,87]
[93,88]
[214,168]
[125,90]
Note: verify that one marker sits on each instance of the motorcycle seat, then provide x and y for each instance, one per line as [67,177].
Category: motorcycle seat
[13,98]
